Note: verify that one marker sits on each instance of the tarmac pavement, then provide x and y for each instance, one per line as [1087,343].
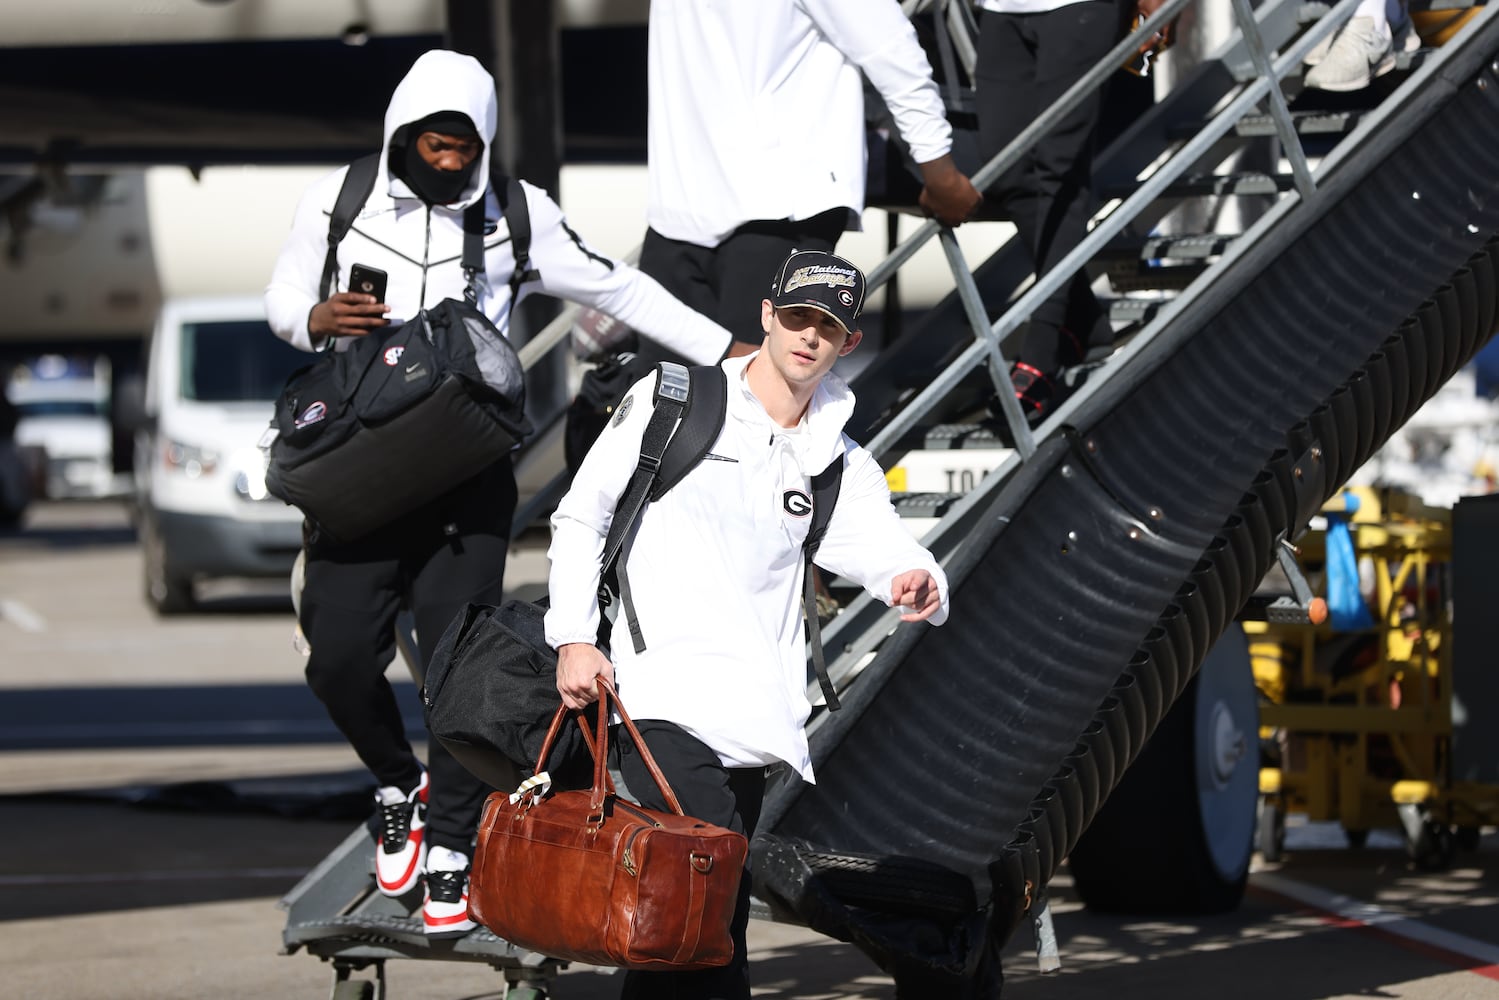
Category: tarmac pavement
[162,786]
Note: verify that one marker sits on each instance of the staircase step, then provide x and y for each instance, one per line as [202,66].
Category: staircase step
[1138,276]
[1167,246]
[1216,186]
[1128,312]
[1263,126]
[954,462]
[920,512]
[1304,122]
[1134,264]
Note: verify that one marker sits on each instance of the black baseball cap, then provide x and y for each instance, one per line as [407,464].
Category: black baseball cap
[822,281]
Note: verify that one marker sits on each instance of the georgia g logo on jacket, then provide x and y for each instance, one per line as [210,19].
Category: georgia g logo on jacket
[796,503]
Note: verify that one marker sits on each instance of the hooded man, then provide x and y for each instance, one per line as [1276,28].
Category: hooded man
[439,131]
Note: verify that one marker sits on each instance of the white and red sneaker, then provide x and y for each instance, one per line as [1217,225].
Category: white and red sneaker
[445,911]
[401,850]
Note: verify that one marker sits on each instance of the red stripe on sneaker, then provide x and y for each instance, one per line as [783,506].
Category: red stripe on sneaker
[409,874]
[461,917]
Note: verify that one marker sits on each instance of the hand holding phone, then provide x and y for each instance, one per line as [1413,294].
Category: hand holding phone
[347,314]
[366,280]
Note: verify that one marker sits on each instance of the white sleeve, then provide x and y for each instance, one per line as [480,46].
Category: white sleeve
[866,541]
[876,36]
[580,524]
[293,290]
[571,269]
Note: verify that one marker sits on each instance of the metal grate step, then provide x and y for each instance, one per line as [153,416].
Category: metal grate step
[1246,184]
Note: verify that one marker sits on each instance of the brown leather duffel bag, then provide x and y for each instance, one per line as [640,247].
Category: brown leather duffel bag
[587,876]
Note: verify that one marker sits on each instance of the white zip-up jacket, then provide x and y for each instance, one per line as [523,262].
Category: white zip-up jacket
[757,108]
[715,568]
[420,247]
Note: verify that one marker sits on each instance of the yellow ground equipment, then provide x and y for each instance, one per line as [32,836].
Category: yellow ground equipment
[1357,721]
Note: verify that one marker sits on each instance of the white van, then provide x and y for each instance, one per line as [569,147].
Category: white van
[63,406]
[214,369]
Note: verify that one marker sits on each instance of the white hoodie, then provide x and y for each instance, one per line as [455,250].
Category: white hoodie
[715,569]
[421,247]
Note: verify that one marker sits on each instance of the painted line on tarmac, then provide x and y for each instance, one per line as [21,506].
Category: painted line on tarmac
[114,878]
[1468,954]
[21,616]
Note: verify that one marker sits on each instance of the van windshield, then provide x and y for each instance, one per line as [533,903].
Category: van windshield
[61,408]
[234,361]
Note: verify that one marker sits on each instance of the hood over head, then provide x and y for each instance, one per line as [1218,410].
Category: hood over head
[442,81]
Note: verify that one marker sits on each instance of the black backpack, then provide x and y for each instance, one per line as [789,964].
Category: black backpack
[359,181]
[364,435]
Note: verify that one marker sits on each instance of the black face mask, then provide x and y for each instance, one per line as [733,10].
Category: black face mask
[435,187]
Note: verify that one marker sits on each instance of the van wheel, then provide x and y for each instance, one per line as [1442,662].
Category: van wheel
[167,592]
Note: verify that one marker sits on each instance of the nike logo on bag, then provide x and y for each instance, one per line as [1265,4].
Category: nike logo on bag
[412,368]
[710,457]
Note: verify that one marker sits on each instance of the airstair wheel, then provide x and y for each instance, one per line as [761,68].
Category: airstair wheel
[1177,833]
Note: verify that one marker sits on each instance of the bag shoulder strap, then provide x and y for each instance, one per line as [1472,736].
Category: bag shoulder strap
[359,181]
[825,486]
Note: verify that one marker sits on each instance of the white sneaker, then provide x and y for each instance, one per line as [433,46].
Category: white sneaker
[1362,51]
[445,910]
[1406,40]
[1319,51]
[401,848]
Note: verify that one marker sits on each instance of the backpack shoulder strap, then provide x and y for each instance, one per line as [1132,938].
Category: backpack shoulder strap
[518,220]
[359,181]
[825,486]
[673,395]
[702,421]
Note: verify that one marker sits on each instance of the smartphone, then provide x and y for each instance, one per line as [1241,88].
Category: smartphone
[367,280]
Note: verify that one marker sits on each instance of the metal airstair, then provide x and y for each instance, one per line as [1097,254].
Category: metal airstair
[1099,561]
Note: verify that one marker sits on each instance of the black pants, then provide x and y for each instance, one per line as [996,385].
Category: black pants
[435,560]
[727,282]
[1026,62]
[729,797]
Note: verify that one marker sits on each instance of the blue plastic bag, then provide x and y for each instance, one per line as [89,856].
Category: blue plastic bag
[1346,609]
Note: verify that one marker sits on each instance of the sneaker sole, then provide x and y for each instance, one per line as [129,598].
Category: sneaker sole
[447,926]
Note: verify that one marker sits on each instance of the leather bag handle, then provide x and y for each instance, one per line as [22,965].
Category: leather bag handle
[598,745]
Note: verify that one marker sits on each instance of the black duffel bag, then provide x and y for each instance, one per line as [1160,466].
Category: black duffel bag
[367,434]
[490,693]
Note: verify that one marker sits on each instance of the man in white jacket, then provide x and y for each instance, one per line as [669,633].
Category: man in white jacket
[715,570]
[755,139]
[434,165]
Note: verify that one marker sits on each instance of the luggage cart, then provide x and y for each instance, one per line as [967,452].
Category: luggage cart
[336,913]
[1357,724]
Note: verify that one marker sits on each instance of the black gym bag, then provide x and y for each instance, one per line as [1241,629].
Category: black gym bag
[405,414]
